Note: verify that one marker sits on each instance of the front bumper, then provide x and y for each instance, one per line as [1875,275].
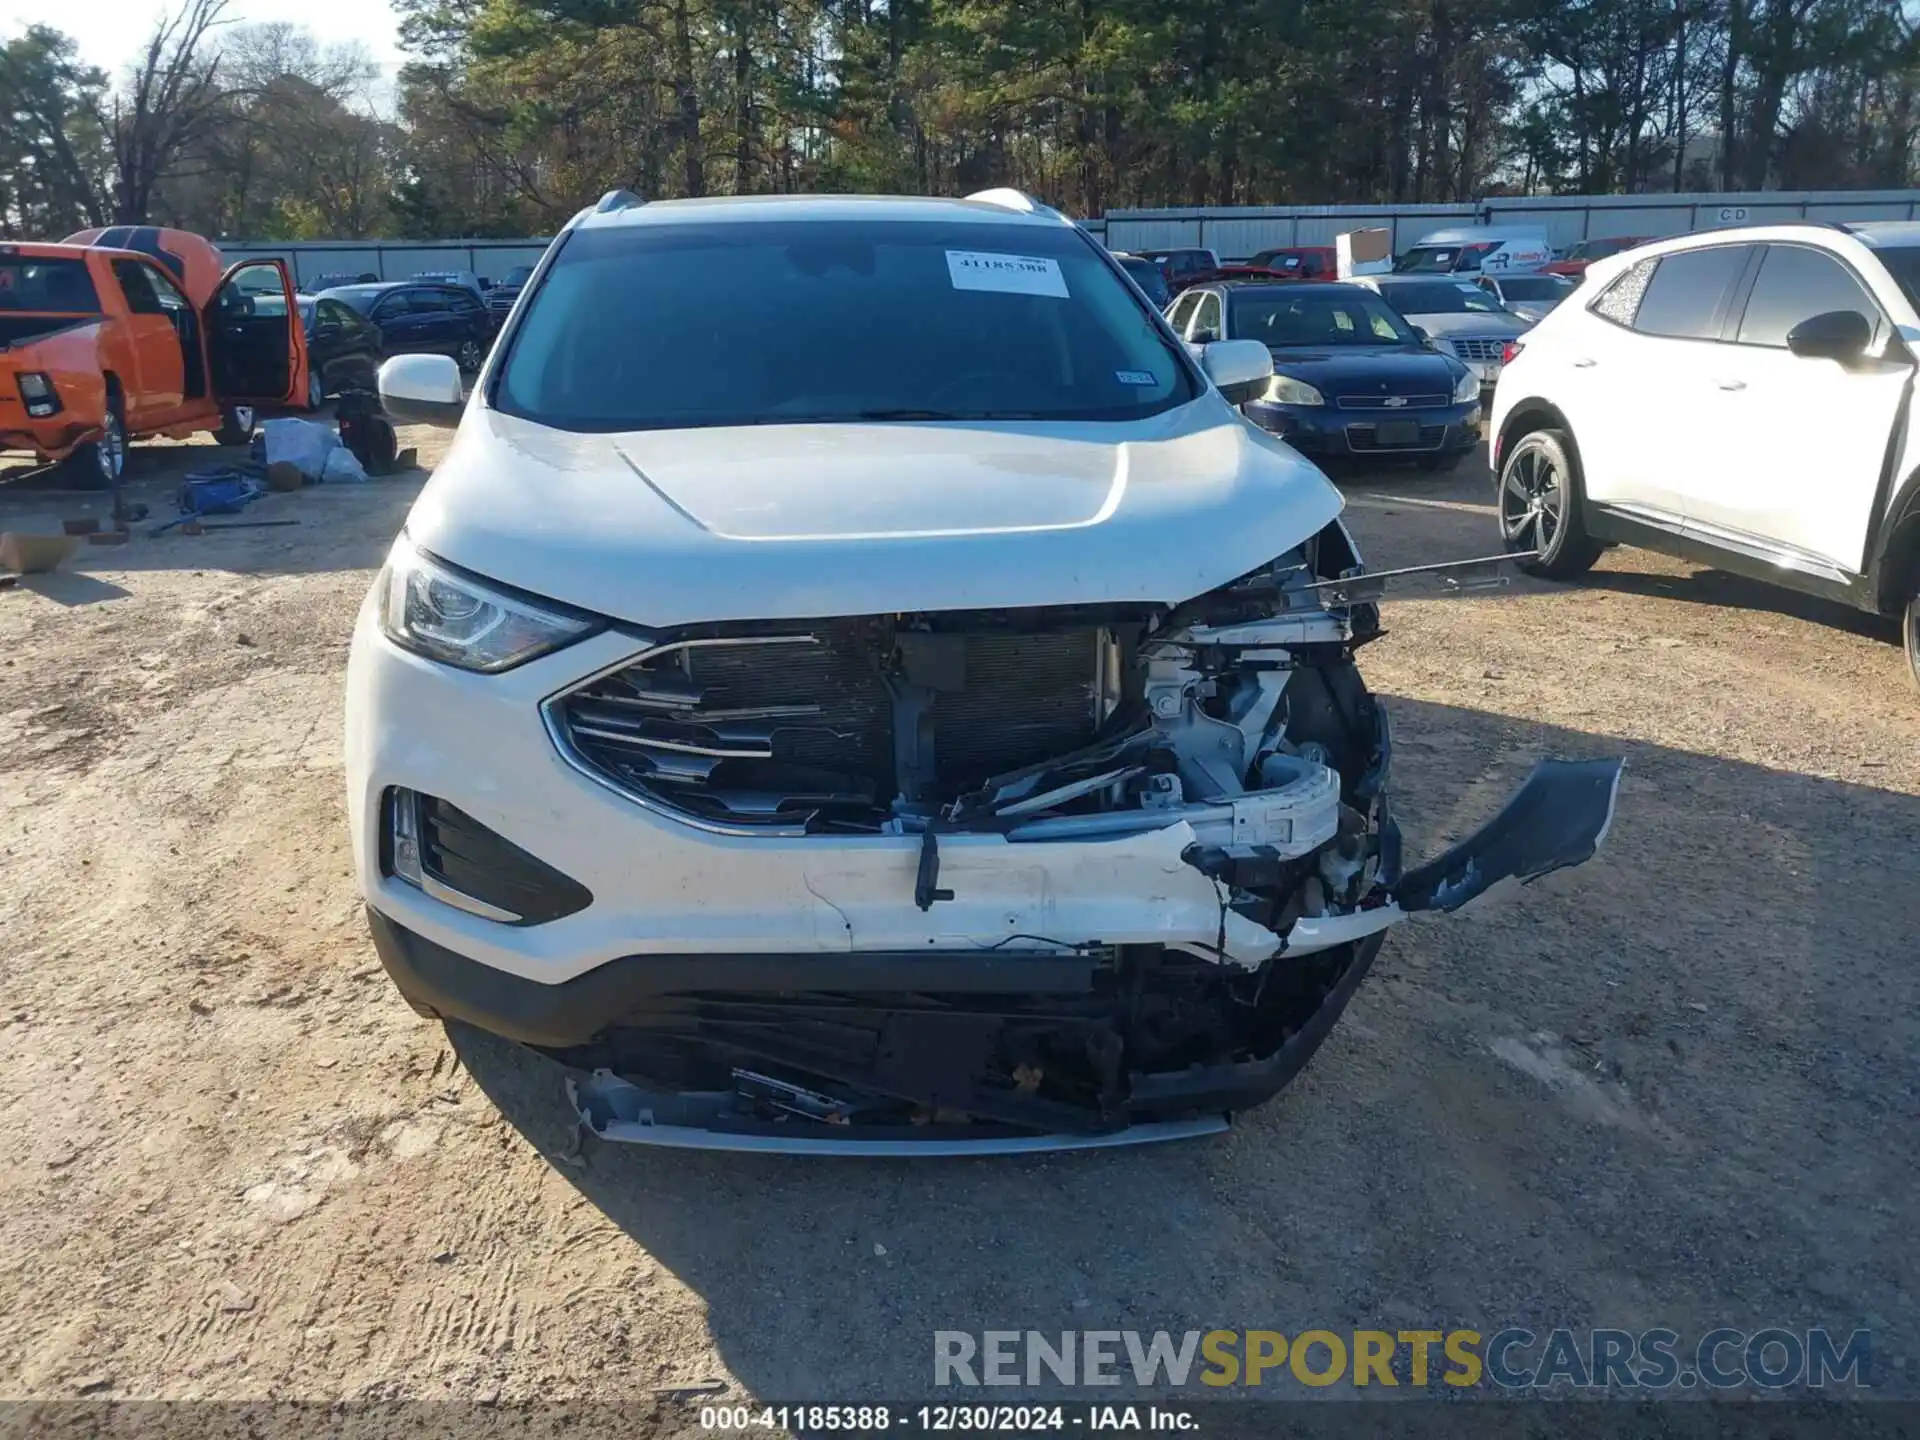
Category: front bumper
[783,991]
[564,1019]
[1327,430]
[663,887]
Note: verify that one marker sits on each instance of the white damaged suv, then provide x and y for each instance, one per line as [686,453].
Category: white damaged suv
[856,681]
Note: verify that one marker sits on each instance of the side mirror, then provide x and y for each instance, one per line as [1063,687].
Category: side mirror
[422,390]
[1239,369]
[1841,335]
[1421,335]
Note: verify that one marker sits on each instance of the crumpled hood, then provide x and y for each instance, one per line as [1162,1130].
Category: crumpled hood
[1389,370]
[671,527]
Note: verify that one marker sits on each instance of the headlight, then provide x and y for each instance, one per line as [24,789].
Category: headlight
[1466,388]
[1284,390]
[458,620]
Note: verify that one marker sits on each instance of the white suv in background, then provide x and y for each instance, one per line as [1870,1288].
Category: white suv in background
[1741,398]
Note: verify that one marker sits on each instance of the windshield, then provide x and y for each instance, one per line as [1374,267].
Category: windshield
[1536,287]
[826,320]
[1442,259]
[1281,318]
[1440,297]
[46,287]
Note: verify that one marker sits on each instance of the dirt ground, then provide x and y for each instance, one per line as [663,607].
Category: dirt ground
[1675,1087]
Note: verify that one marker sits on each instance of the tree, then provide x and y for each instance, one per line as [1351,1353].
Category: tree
[53,140]
[172,100]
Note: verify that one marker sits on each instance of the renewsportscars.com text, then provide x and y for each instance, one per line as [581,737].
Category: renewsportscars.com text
[1514,1358]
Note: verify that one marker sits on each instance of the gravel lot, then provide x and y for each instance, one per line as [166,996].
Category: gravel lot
[1677,1086]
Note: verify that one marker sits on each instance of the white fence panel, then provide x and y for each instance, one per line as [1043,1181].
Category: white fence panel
[1237,239]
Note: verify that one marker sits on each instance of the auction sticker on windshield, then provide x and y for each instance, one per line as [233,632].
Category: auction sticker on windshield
[1013,274]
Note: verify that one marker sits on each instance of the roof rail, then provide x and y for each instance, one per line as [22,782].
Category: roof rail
[1842,226]
[617,200]
[1008,198]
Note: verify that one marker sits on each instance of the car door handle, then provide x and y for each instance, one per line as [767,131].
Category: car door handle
[1731,384]
[1585,364]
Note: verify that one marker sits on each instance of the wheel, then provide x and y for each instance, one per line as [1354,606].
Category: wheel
[99,464]
[316,392]
[236,425]
[1910,630]
[1540,507]
[1441,464]
[469,356]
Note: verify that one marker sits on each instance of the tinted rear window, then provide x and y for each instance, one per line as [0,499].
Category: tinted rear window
[826,320]
[1688,292]
[58,287]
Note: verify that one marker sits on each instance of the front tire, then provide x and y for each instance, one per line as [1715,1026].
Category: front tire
[100,464]
[470,356]
[1910,630]
[1539,506]
[236,425]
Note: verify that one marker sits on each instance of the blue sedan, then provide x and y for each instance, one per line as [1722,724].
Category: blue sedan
[1351,378]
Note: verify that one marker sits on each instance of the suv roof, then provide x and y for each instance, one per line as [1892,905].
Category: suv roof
[1892,234]
[749,208]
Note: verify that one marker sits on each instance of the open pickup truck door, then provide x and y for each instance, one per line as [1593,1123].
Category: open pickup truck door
[256,344]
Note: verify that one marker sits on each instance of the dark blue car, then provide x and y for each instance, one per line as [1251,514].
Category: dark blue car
[1350,377]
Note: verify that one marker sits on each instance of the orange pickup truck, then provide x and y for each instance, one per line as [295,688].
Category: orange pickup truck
[116,334]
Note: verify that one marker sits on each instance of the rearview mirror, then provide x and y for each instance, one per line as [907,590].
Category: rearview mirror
[422,390]
[1841,335]
[1240,369]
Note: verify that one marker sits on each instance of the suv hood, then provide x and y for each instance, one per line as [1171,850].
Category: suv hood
[671,527]
[1383,370]
[1472,322]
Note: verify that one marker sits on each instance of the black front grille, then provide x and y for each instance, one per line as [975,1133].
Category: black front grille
[787,730]
[1367,438]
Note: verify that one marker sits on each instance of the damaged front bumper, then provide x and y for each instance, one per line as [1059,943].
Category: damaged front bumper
[888,936]
[900,1048]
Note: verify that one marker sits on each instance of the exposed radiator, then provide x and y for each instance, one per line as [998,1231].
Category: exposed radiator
[781,730]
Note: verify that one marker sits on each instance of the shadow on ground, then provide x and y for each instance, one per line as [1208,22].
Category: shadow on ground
[1675,1087]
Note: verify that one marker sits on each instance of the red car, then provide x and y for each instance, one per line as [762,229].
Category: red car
[1576,260]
